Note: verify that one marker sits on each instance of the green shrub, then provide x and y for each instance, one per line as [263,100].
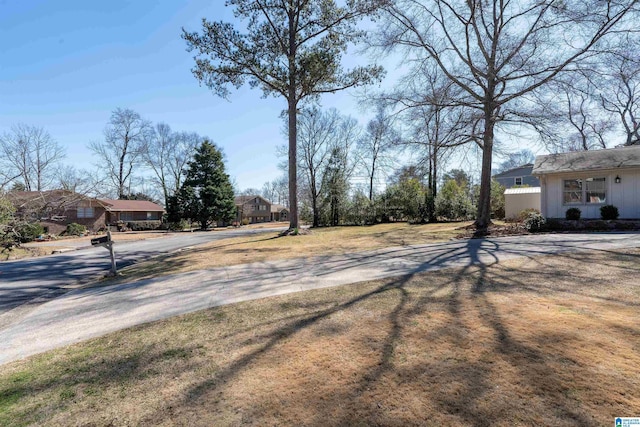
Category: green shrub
[573,214]
[179,225]
[143,225]
[454,203]
[534,222]
[28,232]
[75,229]
[609,212]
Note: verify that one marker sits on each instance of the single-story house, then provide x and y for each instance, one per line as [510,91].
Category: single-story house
[518,177]
[517,200]
[131,210]
[588,180]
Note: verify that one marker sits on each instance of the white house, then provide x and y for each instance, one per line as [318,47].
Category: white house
[588,180]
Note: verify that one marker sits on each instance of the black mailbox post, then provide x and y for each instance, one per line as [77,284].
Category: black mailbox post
[100,240]
[106,242]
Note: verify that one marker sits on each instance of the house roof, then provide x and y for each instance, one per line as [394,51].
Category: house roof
[278,208]
[612,158]
[58,198]
[525,166]
[131,206]
[522,190]
[241,200]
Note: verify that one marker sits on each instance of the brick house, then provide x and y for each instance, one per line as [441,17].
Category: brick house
[55,209]
[258,209]
[131,210]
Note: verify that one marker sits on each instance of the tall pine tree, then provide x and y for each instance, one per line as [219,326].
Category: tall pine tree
[206,196]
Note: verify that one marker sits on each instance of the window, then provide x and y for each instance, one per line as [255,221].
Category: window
[518,180]
[85,213]
[596,191]
[152,216]
[126,216]
[263,207]
[583,191]
[572,191]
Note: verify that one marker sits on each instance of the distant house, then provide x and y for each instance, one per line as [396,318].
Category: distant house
[257,209]
[588,180]
[279,213]
[131,210]
[518,177]
[253,208]
[54,209]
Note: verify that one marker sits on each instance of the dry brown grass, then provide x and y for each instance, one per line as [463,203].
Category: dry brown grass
[543,341]
[22,252]
[267,247]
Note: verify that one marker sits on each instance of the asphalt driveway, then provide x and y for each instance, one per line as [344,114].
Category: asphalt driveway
[86,313]
[25,280]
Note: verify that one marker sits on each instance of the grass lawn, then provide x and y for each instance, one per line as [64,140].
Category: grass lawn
[540,341]
[267,247]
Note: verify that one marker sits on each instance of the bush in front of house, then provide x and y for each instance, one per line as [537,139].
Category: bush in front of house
[28,232]
[75,229]
[609,212]
[573,214]
[534,222]
[143,225]
[524,214]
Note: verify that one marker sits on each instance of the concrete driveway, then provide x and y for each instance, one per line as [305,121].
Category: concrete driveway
[86,313]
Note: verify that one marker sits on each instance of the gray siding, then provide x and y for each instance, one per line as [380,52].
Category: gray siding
[508,179]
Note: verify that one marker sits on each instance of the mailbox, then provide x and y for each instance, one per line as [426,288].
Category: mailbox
[100,240]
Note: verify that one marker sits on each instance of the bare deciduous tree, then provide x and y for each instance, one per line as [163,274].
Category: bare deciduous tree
[167,154]
[29,154]
[498,52]
[315,140]
[376,146]
[622,94]
[125,139]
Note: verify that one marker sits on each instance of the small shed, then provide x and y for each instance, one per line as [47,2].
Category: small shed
[518,199]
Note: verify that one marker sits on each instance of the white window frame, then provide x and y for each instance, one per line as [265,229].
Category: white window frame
[85,212]
[515,180]
[583,191]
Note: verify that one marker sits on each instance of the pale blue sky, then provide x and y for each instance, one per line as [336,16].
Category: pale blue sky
[67,64]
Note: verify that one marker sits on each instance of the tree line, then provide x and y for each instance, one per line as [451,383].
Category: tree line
[477,69]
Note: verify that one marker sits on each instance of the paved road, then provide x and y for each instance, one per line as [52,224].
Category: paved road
[24,280]
[86,313]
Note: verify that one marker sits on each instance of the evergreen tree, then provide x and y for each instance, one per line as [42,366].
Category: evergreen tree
[206,196]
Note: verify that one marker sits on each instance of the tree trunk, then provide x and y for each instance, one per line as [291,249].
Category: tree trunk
[293,125]
[314,207]
[373,168]
[484,203]
[293,154]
